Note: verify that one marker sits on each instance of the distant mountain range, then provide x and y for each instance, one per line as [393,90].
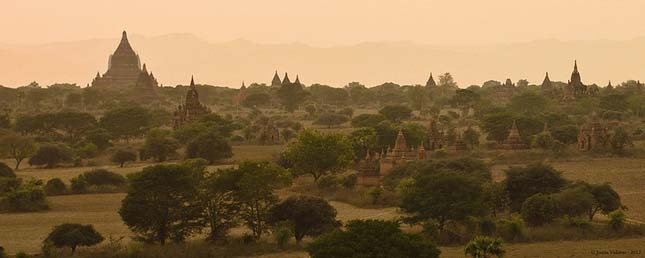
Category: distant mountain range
[174,58]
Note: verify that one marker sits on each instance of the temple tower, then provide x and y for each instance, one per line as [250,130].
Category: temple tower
[276,82]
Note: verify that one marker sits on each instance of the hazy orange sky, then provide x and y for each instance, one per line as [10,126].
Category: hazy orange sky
[324,22]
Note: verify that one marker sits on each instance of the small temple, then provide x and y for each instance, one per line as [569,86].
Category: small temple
[592,134]
[192,109]
[276,82]
[431,83]
[514,141]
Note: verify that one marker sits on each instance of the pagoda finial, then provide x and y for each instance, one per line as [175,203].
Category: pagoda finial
[192,81]
[575,66]
[124,35]
[285,80]
[145,70]
[297,80]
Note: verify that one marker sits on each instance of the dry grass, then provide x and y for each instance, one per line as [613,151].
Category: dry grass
[25,231]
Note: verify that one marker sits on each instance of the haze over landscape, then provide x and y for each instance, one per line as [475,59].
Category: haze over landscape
[328,42]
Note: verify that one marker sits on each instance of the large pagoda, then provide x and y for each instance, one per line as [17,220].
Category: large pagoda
[125,74]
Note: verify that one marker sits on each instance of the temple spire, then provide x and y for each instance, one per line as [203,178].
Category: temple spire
[575,66]
[276,79]
[297,80]
[286,80]
[192,81]
[431,82]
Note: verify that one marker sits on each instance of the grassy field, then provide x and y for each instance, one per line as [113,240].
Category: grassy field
[24,232]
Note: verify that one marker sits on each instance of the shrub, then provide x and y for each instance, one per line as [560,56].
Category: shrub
[484,247]
[2,255]
[281,233]
[487,226]
[539,209]
[6,171]
[512,230]
[50,155]
[26,198]
[350,181]
[122,156]
[9,183]
[78,185]
[384,239]
[328,182]
[87,151]
[101,177]
[74,235]
[21,254]
[616,220]
[376,193]
[55,186]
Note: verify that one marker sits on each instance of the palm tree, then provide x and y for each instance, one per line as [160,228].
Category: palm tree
[485,247]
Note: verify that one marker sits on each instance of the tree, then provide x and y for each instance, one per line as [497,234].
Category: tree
[367,120]
[221,210]
[121,156]
[310,216]
[442,196]
[209,146]
[619,140]
[495,198]
[99,137]
[159,145]
[73,236]
[319,154]
[256,100]
[396,113]
[17,147]
[363,140]
[418,97]
[102,177]
[523,182]
[574,202]
[539,209]
[211,123]
[374,239]
[529,103]
[471,137]
[162,204]
[484,247]
[126,123]
[254,192]
[331,119]
[73,124]
[51,155]
[605,198]
[291,96]
[55,186]
[465,99]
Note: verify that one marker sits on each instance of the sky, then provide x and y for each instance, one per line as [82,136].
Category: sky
[325,22]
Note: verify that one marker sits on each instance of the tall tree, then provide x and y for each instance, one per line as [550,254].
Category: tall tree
[310,216]
[126,123]
[319,154]
[17,147]
[254,191]
[162,204]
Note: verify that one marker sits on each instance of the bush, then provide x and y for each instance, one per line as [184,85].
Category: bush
[102,177]
[350,181]
[328,182]
[21,254]
[78,185]
[9,183]
[6,171]
[87,151]
[616,220]
[539,209]
[55,186]
[74,235]
[2,255]
[50,155]
[26,198]
[487,227]
[122,156]
[281,233]
[512,230]
[371,238]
